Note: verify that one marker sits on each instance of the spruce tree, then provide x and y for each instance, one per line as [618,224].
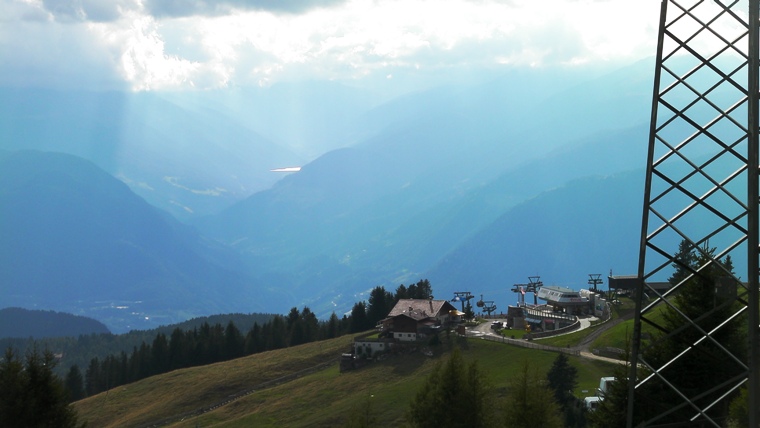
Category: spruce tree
[359,321]
[454,395]
[380,302]
[31,395]
[529,402]
[703,299]
[562,379]
[705,365]
[75,383]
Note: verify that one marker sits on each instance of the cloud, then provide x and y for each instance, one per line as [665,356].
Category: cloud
[113,10]
[185,8]
[89,10]
[37,50]
[153,45]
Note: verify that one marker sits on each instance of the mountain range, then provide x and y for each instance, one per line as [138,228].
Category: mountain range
[475,187]
[76,239]
[24,323]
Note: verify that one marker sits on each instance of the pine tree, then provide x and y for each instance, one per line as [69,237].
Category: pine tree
[454,395]
[93,383]
[699,300]
[562,378]
[739,410]
[31,395]
[380,302]
[75,383]
[160,354]
[179,354]
[469,313]
[704,365]
[359,321]
[278,333]
[529,402]
[424,290]
[333,327]
[310,325]
[254,342]
[13,384]
[233,342]
[401,293]
[612,410]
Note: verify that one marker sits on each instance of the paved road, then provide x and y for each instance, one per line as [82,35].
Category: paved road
[484,329]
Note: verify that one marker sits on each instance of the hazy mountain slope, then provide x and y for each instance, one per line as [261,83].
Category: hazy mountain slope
[186,159]
[421,240]
[591,225]
[309,118]
[24,323]
[196,153]
[449,162]
[78,240]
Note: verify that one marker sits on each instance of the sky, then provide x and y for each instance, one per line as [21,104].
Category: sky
[180,45]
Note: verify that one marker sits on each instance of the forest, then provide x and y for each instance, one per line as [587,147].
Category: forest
[94,363]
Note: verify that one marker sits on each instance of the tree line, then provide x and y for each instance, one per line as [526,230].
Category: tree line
[209,344]
[33,394]
[206,344]
[79,350]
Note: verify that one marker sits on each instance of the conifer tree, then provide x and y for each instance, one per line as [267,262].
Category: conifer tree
[75,383]
[401,293]
[254,342]
[529,402]
[359,321]
[699,299]
[704,364]
[31,395]
[310,325]
[333,327]
[233,342]
[380,302]
[562,379]
[454,395]
[612,410]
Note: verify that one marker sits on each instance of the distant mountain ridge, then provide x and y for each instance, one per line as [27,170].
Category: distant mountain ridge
[75,238]
[588,226]
[449,184]
[25,323]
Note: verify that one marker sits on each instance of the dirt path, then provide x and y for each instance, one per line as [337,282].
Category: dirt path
[585,343]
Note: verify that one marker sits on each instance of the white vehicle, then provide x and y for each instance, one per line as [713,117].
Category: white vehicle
[604,385]
[592,403]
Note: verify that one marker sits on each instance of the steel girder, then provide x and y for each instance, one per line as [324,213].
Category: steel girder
[701,191]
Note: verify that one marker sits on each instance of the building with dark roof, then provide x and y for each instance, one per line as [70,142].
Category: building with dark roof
[411,319]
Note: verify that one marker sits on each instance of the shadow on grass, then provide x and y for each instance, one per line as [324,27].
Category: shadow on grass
[404,365]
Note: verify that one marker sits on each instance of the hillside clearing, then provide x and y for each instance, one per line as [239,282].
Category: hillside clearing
[322,398]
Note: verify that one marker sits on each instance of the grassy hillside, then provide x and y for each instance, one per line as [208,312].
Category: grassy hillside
[324,397]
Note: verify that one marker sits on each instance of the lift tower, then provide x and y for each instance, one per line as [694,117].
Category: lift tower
[462,296]
[700,208]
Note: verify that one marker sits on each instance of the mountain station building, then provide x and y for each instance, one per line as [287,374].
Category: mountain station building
[563,299]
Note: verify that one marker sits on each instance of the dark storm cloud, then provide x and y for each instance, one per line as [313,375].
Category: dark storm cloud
[180,8]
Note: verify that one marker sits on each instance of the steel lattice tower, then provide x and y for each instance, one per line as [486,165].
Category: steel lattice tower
[701,196]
